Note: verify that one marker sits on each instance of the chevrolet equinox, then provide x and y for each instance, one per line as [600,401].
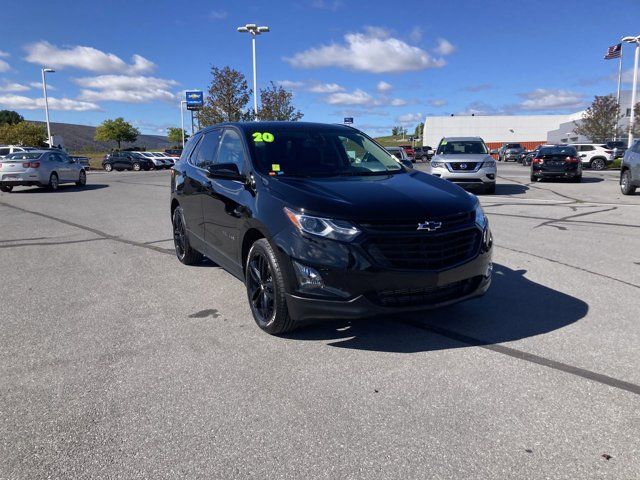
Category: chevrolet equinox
[320,222]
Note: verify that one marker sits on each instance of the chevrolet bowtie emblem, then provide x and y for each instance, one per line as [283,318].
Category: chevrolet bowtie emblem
[429,226]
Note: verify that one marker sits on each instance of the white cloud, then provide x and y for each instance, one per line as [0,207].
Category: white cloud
[327,5]
[20,102]
[124,88]
[444,47]
[373,50]
[410,118]
[438,102]
[38,85]
[394,102]
[326,88]
[218,14]
[3,54]
[85,58]
[357,97]
[416,34]
[13,87]
[383,86]
[627,76]
[4,66]
[290,84]
[550,99]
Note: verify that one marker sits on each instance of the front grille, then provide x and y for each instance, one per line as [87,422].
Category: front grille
[457,166]
[424,250]
[424,296]
[449,222]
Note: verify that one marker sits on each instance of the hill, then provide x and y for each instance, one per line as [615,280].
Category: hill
[393,140]
[79,138]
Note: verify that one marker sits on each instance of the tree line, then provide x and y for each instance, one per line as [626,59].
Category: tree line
[599,121]
[14,130]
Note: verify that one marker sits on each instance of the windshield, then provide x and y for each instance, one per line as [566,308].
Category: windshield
[23,156]
[569,151]
[468,147]
[514,145]
[315,152]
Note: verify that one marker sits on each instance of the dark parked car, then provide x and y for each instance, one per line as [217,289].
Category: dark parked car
[173,152]
[126,161]
[630,170]
[423,153]
[530,155]
[618,147]
[558,161]
[320,222]
[511,152]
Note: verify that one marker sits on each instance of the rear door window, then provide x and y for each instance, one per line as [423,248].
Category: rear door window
[231,149]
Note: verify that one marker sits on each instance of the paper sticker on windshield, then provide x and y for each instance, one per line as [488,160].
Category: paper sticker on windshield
[275,167]
[443,142]
[263,137]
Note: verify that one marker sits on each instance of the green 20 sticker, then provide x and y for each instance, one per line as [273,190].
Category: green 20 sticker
[263,137]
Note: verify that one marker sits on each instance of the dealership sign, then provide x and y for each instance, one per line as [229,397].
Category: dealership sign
[195,99]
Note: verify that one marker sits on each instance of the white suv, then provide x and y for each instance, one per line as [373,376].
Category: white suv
[594,155]
[7,149]
[466,162]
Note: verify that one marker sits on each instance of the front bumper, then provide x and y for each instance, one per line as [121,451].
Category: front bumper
[482,178]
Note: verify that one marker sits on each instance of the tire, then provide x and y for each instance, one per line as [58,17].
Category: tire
[136,167]
[626,187]
[533,179]
[82,179]
[598,164]
[266,288]
[108,167]
[185,253]
[491,189]
[54,182]
[424,158]
[6,188]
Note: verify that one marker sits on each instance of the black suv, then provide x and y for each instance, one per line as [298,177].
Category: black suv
[126,161]
[319,221]
[423,153]
[511,151]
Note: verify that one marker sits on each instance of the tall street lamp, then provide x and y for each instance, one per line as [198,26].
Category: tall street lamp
[46,103]
[635,40]
[254,30]
[182,102]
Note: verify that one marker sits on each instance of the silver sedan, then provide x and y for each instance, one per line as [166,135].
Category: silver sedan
[43,168]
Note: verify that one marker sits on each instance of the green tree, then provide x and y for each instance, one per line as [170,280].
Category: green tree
[174,135]
[419,129]
[10,117]
[394,131]
[227,97]
[116,130]
[23,133]
[276,104]
[599,121]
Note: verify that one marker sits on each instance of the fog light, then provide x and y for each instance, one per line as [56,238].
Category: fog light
[307,277]
[491,176]
[487,239]
[489,271]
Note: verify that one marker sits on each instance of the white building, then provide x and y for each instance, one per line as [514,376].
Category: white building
[529,130]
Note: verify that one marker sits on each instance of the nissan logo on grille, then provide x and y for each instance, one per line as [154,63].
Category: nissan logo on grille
[429,226]
[463,166]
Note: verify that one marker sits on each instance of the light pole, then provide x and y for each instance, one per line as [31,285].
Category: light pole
[46,103]
[254,30]
[182,102]
[635,40]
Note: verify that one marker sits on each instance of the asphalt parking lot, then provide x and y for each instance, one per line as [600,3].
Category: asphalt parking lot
[119,362]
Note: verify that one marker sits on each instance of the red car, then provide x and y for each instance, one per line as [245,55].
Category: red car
[409,151]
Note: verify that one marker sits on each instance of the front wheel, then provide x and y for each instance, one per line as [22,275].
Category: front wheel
[626,187]
[598,164]
[265,290]
[185,253]
[82,179]
[136,167]
[108,167]
[6,188]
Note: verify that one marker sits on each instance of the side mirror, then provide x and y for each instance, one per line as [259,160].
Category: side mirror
[407,163]
[430,152]
[227,171]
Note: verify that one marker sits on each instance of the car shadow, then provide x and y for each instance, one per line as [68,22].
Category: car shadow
[510,189]
[61,188]
[514,308]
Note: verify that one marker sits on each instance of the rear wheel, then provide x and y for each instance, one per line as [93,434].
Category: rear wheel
[265,290]
[424,158]
[54,182]
[626,187]
[598,164]
[82,179]
[108,167]
[184,252]
[6,188]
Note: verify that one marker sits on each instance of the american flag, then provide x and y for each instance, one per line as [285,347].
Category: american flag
[614,51]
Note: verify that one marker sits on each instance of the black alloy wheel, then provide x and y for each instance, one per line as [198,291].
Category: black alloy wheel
[184,252]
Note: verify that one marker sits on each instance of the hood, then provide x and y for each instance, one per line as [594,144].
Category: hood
[463,158]
[412,196]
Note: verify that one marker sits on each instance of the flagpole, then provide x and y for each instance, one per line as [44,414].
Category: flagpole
[615,133]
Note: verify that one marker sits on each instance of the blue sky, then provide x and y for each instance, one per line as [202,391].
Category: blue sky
[383,63]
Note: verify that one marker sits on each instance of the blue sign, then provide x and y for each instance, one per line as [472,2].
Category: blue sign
[195,99]
[348,120]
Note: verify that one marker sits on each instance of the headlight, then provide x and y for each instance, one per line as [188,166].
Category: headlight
[481,218]
[437,164]
[322,227]
[489,163]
